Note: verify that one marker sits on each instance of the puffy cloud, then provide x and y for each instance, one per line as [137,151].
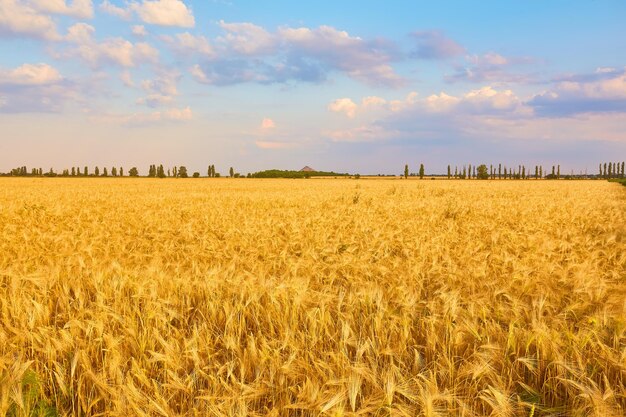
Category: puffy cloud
[188,44]
[35,88]
[164,13]
[267,124]
[435,45]
[112,51]
[80,33]
[247,38]
[373,101]
[78,8]
[601,92]
[110,8]
[343,105]
[154,12]
[366,61]
[20,19]
[250,53]
[30,74]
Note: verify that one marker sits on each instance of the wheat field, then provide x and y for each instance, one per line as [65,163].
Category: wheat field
[338,297]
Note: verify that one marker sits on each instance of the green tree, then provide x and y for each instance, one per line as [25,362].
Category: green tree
[86,172]
[622,169]
[182,172]
[421,171]
[105,172]
[482,173]
[499,171]
[196,174]
[449,172]
[406,171]
[121,172]
[73,171]
[524,173]
[456,172]
[97,172]
[133,172]
[469,171]
[231,172]
[114,171]
[161,172]
[175,171]
[558,172]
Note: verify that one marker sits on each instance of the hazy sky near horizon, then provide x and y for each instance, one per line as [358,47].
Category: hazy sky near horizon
[358,86]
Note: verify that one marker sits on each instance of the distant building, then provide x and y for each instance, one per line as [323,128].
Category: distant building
[307,169]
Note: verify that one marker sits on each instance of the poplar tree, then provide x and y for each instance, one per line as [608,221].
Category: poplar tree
[105,172]
[523,173]
[499,171]
[114,171]
[558,173]
[231,172]
[406,171]
[421,171]
[449,171]
[97,172]
[73,171]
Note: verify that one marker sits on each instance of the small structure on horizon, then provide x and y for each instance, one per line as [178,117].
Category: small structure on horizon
[307,169]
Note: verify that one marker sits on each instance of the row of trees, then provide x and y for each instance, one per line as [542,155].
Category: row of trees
[154,171]
[607,170]
[612,170]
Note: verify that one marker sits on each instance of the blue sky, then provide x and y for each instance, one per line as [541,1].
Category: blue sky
[349,86]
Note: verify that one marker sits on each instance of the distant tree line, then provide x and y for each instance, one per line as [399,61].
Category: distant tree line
[607,170]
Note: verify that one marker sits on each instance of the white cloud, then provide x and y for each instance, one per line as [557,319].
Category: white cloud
[164,13]
[186,43]
[601,92]
[80,33]
[78,8]
[247,38]
[373,101]
[112,51]
[32,88]
[267,124]
[112,9]
[20,19]
[343,105]
[30,74]
[365,61]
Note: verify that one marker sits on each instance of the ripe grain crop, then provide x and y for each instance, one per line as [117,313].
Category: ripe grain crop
[140,297]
